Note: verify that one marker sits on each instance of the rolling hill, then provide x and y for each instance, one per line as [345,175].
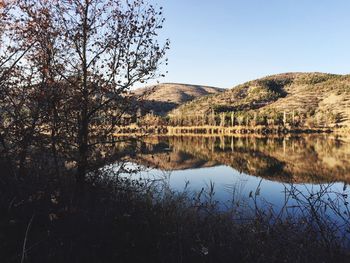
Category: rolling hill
[163,98]
[315,96]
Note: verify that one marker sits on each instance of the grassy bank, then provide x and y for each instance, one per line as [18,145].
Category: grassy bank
[114,219]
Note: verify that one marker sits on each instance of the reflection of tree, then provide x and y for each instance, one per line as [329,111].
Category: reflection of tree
[296,159]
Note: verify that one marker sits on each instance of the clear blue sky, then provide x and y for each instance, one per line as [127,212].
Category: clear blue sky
[226,42]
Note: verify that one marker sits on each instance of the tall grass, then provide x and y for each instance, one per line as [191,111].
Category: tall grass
[117,219]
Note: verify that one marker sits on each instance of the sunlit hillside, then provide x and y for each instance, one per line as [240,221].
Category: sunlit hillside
[162,98]
[316,97]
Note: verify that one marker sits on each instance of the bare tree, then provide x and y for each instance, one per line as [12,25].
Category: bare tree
[83,56]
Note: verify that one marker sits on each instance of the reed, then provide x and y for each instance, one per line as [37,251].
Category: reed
[113,218]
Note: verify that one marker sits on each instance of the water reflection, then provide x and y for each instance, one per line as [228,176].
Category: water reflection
[292,175]
[297,159]
[303,176]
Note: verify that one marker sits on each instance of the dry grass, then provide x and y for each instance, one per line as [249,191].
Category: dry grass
[113,219]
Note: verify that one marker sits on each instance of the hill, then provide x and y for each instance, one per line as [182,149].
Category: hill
[313,97]
[163,98]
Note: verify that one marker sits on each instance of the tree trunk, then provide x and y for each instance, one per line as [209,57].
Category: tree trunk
[83,152]
[84,124]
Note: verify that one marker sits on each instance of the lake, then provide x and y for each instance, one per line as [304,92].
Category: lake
[284,172]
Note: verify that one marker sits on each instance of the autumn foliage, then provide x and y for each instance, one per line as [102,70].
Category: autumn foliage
[65,70]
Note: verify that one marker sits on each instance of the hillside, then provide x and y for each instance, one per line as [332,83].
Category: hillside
[163,98]
[320,97]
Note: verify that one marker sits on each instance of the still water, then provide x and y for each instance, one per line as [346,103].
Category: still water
[274,168]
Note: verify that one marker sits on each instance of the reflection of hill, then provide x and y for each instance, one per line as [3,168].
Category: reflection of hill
[298,159]
[173,161]
[155,152]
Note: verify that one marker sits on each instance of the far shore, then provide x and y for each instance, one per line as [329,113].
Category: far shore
[134,130]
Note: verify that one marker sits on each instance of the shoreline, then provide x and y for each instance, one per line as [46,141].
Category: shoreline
[134,130]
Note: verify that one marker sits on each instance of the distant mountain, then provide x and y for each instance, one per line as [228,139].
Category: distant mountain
[163,98]
[318,96]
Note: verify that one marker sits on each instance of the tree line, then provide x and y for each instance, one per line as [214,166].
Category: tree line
[291,118]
